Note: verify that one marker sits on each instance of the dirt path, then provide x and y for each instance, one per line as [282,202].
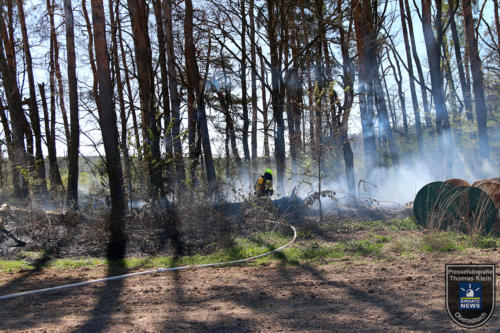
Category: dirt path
[399,295]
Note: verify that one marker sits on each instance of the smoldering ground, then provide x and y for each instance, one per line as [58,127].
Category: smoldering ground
[396,184]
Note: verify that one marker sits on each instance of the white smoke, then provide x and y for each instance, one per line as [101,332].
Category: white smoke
[400,184]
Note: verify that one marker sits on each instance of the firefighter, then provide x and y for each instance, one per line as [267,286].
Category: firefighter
[5,217]
[264,185]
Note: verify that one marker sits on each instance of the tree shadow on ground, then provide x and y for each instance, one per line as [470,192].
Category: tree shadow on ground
[178,293]
[110,293]
[38,267]
[12,316]
[392,305]
[28,312]
[270,306]
[224,322]
[109,300]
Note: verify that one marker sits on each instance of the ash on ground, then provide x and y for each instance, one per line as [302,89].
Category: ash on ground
[180,230]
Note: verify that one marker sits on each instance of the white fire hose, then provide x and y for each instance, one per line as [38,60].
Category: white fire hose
[158,270]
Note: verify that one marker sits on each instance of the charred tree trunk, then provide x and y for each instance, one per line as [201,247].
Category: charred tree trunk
[74,142]
[41,183]
[90,48]
[195,81]
[224,96]
[434,58]
[399,80]
[290,91]
[319,87]
[276,96]
[29,148]
[423,88]
[267,153]
[57,69]
[477,80]
[14,104]
[10,40]
[129,89]
[362,11]
[230,128]
[194,152]
[305,41]
[384,120]
[165,100]
[414,99]
[58,185]
[10,150]
[139,17]
[20,182]
[296,97]
[392,112]
[244,102]
[460,65]
[180,173]
[7,34]
[121,101]
[109,130]
[254,80]
[348,80]
[497,24]
[450,84]
[54,173]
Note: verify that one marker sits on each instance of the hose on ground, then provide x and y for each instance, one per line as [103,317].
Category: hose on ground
[152,271]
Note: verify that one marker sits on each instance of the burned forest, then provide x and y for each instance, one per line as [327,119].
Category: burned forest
[183,165]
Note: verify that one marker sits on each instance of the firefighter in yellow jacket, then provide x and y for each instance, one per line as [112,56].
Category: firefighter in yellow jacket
[264,185]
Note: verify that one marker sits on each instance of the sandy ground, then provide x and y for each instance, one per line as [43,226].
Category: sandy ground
[340,295]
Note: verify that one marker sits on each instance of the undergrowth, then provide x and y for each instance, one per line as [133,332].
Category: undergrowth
[307,249]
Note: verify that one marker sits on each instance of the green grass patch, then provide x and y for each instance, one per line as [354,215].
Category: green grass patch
[8,266]
[333,250]
[451,241]
[316,251]
[32,255]
[405,246]
[71,263]
[487,242]
[407,223]
[383,239]
[443,242]
[310,250]
[364,248]
[241,248]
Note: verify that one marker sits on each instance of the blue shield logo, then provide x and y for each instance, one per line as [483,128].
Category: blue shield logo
[470,295]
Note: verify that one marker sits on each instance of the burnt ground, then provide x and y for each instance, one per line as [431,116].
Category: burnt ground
[341,295]
[197,229]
